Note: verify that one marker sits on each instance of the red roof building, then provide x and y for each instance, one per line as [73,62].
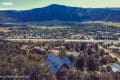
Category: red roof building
[93,50]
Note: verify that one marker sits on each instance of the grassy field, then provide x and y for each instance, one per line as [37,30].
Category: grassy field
[116,24]
[112,24]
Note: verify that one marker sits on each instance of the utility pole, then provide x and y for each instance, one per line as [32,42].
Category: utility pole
[15,77]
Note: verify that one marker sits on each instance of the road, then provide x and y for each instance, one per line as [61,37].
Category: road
[111,54]
[66,40]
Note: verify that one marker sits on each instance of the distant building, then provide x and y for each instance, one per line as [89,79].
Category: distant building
[58,66]
[93,50]
[39,50]
[78,36]
[115,49]
[73,53]
[59,47]
[91,47]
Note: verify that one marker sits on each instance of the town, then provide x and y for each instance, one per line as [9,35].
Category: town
[60,53]
[83,31]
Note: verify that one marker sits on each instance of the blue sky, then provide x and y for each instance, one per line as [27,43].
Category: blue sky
[29,4]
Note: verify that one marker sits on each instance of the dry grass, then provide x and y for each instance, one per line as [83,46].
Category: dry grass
[112,24]
[24,47]
[116,24]
[4,30]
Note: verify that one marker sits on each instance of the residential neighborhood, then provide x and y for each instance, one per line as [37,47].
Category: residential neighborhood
[59,39]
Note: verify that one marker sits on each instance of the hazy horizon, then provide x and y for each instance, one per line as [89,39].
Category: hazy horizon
[30,4]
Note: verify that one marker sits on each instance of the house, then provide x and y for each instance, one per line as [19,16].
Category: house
[57,65]
[73,53]
[115,49]
[89,45]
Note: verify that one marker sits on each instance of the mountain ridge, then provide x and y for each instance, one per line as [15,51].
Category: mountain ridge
[61,13]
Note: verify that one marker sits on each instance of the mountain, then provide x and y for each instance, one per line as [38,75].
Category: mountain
[61,13]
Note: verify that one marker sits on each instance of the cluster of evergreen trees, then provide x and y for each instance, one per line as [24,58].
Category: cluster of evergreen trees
[15,61]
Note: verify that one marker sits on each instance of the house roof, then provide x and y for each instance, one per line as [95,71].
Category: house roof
[55,63]
[93,50]
[67,61]
[115,67]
